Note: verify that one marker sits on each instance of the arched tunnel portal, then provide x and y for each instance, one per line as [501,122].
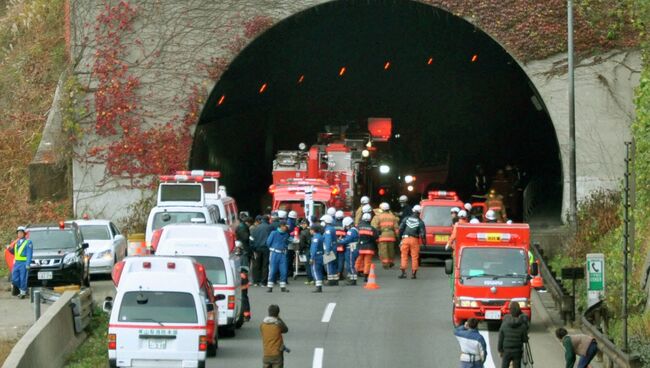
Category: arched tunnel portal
[456,99]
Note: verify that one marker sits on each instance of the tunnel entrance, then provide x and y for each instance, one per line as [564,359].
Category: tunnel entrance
[456,98]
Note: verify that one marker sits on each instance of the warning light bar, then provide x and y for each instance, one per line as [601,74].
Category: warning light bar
[494,237]
[203,173]
[442,194]
[175,178]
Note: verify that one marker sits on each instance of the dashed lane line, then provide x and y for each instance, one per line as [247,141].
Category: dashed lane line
[490,358]
[327,315]
[318,358]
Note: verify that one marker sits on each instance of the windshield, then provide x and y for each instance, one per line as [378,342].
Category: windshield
[493,263]
[214,268]
[52,239]
[95,232]
[436,215]
[299,207]
[161,219]
[158,306]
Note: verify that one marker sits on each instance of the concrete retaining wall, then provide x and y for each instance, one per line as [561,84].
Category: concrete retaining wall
[50,340]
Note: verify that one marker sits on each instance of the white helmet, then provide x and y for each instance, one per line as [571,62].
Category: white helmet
[366,208]
[327,219]
[403,199]
[365,200]
[339,215]
[462,214]
[455,209]
[348,221]
[293,215]
[282,214]
[417,208]
[366,216]
[468,206]
[331,211]
[509,222]
[474,221]
[384,206]
[21,228]
[491,215]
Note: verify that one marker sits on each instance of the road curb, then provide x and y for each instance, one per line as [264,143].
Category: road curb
[542,314]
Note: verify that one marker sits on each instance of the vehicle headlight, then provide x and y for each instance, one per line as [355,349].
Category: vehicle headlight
[70,259]
[465,303]
[523,303]
[106,255]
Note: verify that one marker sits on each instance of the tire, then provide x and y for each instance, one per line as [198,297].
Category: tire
[202,364]
[240,321]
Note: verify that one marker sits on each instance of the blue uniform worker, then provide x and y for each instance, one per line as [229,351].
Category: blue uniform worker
[22,251]
[340,249]
[316,256]
[278,241]
[329,242]
[349,242]
[472,345]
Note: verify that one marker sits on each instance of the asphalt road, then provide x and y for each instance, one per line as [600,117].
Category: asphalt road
[406,323]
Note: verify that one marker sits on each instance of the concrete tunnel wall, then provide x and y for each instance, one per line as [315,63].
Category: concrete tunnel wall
[604,91]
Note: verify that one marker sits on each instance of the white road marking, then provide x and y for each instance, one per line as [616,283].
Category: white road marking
[327,315]
[490,361]
[318,358]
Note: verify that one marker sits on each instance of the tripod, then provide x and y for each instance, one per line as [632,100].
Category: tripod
[528,356]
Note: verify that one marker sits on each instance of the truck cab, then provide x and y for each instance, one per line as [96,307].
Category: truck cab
[302,195]
[436,215]
[489,269]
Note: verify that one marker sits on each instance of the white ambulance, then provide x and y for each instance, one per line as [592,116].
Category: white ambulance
[213,247]
[163,314]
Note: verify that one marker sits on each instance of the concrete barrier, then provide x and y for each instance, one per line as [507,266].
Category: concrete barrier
[50,341]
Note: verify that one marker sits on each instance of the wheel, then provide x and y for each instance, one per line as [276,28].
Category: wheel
[202,364]
[240,321]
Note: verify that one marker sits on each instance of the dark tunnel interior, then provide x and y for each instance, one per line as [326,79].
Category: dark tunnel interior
[453,93]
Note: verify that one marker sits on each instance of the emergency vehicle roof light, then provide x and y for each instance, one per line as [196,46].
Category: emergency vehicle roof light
[442,194]
[117,273]
[175,178]
[61,225]
[203,173]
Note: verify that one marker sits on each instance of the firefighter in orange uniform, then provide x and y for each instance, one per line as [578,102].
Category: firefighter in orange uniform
[462,219]
[413,232]
[387,224]
[495,202]
[367,243]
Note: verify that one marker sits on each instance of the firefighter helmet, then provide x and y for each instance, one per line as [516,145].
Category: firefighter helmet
[417,208]
[384,206]
[474,221]
[366,208]
[339,215]
[331,211]
[327,219]
[468,207]
[348,221]
[21,228]
[293,214]
[403,199]
[365,200]
[455,210]
[491,215]
[282,214]
[366,216]
[462,214]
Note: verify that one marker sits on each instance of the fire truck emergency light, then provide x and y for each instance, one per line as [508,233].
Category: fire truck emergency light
[206,174]
[380,128]
[381,191]
[384,169]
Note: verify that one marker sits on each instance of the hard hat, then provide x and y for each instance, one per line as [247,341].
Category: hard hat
[348,221]
[366,208]
[331,211]
[509,222]
[417,208]
[327,219]
[474,221]
[468,206]
[384,206]
[455,209]
[491,215]
[339,214]
[403,199]
[293,214]
[365,200]
[462,214]
[282,214]
[366,216]
[21,228]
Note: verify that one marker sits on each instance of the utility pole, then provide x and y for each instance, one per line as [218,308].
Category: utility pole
[573,196]
[626,239]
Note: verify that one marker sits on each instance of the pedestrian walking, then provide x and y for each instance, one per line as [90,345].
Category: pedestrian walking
[387,224]
[22,249]
[582,345]
[278,241]
[329,241]
[272,329]
[512,336]
[367,243]
[316,256]
[259,236]
[350,253]
[472,345]
[413,234]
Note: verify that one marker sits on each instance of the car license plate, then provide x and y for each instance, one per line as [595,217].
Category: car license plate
[441,238]
[157,344]
[494,314]
[45,275]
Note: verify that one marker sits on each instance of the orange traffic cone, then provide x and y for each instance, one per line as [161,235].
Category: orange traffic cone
[372,284]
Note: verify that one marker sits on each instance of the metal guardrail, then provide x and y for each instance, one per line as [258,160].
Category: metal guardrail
[82,309]
[563,301]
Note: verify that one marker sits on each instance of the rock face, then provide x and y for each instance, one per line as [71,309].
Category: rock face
[175,47]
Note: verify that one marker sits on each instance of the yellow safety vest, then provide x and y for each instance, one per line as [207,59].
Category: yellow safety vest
[20,249]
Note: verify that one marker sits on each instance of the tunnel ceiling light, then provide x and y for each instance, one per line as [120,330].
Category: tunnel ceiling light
[365,153]
[342,71]
[301,78]
[430,61]
[221,100]
[263,88]
[387,65]
[408,179]
[410,188]
[474,58]
[384,169]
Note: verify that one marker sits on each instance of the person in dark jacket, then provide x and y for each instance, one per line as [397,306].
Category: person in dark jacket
[261,251]
[303,247]
[243,235]
[512,336]
[413,233]
[367,243]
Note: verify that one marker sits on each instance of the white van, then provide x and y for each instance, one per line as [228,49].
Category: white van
[210,245]
[162,315]
[165,215]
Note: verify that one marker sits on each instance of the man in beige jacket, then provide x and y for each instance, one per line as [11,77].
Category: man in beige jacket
[272,328]
[583,345]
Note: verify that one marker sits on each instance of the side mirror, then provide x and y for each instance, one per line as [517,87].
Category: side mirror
[220,297]
[108,304]
[534,269]
[449,266]
[84,245]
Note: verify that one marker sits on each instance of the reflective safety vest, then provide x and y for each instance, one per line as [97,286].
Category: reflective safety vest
[19,250]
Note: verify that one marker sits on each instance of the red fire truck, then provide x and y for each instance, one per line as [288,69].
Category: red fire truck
[491,267]
[308,197]
[436,214]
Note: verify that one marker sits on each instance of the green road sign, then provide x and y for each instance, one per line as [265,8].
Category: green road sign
[595,278]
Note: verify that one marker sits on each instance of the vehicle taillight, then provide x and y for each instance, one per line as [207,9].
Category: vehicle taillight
[231,302]
[200,273]
[155,239]
[203,343]
[112,341]
[271,189]
[117,272]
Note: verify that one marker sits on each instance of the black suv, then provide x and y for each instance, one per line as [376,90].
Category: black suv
[59,256]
